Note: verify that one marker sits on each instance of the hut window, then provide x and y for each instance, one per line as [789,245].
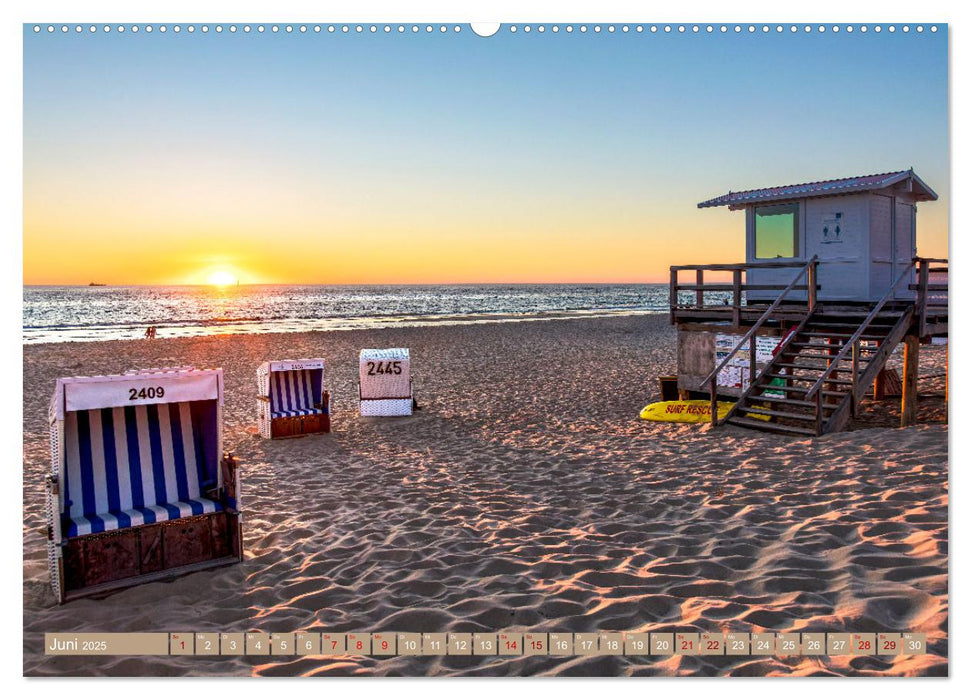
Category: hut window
[777,231]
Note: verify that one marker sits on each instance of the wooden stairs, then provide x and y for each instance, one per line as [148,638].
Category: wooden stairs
[793,394]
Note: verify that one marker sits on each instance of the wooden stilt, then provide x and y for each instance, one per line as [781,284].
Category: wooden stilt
[854,374]
[880,386]
[908,402]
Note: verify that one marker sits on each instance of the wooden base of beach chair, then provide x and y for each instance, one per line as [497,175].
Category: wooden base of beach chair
[107,561]
[296,426]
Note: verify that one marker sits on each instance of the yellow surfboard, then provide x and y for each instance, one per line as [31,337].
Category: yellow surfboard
[684,411]
[695,411]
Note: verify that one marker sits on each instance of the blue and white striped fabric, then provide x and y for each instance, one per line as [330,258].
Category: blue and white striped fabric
[131,465]
[294,392]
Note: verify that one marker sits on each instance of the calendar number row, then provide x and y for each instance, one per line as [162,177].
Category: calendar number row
[489,644]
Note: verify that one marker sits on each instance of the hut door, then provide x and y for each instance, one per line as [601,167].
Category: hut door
[903,245]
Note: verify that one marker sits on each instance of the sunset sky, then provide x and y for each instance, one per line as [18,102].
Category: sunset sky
[318,158]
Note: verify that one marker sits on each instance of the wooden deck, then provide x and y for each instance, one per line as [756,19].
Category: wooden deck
[697,304]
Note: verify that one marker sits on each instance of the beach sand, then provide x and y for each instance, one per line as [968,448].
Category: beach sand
[526,495]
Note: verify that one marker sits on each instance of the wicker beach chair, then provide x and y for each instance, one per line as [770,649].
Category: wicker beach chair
[291,399]
[385,386]
[139,487]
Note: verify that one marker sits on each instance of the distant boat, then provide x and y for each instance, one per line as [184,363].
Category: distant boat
[96,284]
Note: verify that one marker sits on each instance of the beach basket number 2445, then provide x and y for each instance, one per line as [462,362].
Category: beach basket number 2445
[379,367]
[385,382]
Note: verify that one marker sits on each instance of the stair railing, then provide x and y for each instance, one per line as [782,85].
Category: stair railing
[809,270]
[853,345]
[925,288]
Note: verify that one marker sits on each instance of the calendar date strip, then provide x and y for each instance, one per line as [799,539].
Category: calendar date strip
[382,644]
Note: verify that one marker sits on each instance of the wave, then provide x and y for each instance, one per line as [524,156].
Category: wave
[100,333]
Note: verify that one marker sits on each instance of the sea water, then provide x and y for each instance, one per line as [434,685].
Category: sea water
[64,314]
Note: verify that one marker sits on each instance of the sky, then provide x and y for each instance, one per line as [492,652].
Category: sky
[155,158]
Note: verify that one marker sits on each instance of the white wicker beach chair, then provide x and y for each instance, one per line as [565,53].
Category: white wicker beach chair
[291,399]
[385,385]
[139,486]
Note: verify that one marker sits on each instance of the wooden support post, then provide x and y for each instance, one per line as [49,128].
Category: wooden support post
[811,292]
[752,367]
[854,401]
[923,277]
[880,386]
[714,401]
[831,353]
[674,293]
[908,403]
[699,293]
[737,297]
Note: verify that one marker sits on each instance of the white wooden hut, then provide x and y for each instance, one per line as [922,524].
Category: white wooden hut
[862,229]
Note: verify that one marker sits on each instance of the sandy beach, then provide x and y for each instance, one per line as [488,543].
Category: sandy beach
[526,495]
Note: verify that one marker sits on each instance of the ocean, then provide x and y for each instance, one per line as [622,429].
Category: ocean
[74,314]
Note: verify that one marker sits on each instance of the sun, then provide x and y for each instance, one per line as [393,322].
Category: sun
[221,278]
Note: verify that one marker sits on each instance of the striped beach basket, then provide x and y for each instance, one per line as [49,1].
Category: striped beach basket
[291,399]
[139,487]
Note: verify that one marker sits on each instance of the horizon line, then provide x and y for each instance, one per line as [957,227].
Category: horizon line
[324,284]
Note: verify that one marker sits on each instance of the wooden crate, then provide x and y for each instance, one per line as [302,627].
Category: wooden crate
[295,426]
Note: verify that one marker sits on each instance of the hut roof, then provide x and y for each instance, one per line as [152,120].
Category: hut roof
[826,188]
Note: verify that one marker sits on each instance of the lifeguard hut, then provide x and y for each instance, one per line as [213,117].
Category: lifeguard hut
[831,284]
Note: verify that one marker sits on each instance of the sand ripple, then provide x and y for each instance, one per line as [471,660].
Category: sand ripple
[525,495]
